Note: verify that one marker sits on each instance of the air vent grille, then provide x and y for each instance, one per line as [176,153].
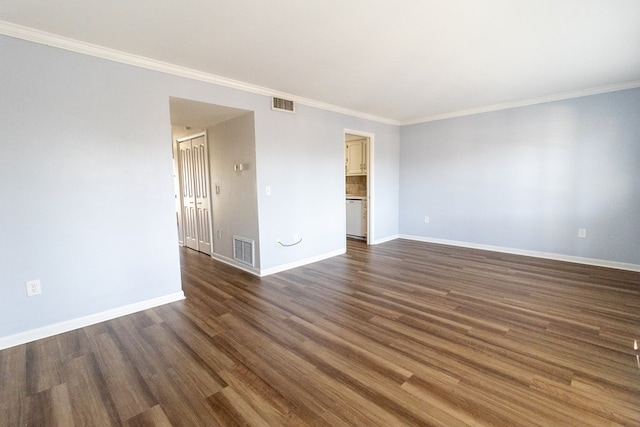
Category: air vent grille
[281,104]
[243,250]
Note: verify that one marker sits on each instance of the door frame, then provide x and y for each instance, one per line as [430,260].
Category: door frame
[370,179]
[198,134]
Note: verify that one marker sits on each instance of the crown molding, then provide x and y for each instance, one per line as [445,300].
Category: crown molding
[30,34]
[525,102]
[41,37]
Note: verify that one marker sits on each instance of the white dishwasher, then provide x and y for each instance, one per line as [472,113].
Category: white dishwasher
[354,218]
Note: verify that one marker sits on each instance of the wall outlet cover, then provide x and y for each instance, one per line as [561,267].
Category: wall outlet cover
[33,288]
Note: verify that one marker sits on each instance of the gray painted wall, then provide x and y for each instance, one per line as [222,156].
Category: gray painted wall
[235,209]
[529,178]
[87,182]
[301,157]
[87,187]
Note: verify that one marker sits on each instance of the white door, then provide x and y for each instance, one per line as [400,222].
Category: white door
[194,186]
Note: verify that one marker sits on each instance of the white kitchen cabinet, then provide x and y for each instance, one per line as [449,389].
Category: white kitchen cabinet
[356,157]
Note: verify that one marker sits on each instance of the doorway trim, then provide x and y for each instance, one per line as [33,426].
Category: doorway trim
[370,179]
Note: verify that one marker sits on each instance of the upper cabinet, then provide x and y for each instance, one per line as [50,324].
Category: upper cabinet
[356,157]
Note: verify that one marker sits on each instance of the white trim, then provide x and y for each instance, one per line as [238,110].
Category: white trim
[49,39]
[25,33]
[526,252]
[193,136]
[386,239]
[81,322]
[302,262]
[233,263]
[526,102]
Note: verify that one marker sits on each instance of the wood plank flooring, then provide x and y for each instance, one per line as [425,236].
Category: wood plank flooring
[403,333]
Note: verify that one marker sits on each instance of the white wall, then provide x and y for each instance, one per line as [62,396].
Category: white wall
[528,178]
[235,209]
[87,182]
[301,157]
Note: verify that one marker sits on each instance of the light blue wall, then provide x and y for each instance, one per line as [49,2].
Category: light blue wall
[301,157]
[86,182]
[88,195]
[528,178]
[235,209]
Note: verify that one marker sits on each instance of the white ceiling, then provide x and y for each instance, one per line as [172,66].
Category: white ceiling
[401,60]
[200,115]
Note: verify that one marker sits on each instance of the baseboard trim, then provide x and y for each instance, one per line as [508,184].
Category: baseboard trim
[302,262]
[547,255]
[81,322]
[385,239]
[232,263]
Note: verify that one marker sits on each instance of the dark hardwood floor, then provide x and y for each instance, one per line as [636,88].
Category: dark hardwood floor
[403,333]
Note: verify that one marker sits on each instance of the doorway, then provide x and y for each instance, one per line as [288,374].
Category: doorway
[359,178]
[217,144]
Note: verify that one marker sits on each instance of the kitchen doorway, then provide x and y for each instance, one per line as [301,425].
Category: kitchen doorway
[359,179]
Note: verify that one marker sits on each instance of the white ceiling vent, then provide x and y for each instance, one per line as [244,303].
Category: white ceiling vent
[281,104]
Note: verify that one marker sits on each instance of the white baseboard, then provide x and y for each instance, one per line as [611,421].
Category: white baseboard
[385,239]
[300,263]
[232,263]
[525,252]
[81,322]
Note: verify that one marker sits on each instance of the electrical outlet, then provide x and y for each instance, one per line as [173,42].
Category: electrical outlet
[426,220]
[33,288]
[219,234]
[296,237]
[267,190]
[582,232]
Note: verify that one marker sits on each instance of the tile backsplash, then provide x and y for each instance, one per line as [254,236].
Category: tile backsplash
[357,185]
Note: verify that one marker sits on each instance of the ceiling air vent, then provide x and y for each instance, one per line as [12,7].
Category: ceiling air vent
[281,104]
